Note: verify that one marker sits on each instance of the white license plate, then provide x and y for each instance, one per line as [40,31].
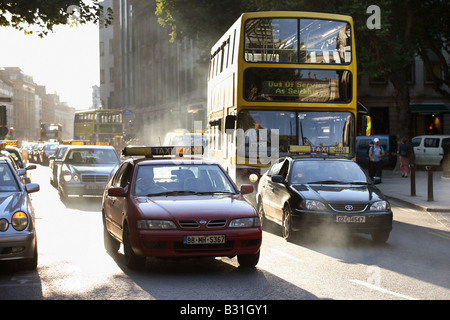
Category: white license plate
[350,219]
[95,186]
[210,239]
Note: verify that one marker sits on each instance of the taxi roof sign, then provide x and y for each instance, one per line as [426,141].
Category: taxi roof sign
[163,151]
[12,143]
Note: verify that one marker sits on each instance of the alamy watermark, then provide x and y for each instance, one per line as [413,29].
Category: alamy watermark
[374,20]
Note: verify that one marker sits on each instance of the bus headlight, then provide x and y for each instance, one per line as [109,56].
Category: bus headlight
[253,177]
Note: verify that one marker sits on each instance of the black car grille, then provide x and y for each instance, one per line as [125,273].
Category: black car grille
[94,178]
[348,207]
[195,224]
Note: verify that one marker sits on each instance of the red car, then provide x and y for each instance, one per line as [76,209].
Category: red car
[175,207]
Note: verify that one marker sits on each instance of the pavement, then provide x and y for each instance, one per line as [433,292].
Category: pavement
[397,188]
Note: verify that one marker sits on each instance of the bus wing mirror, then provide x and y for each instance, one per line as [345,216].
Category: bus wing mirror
[230,122]
[367,125]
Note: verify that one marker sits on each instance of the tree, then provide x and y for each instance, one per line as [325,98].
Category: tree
[407,28]
[25,15]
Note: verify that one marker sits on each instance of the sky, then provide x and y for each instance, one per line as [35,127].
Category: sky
[65,61]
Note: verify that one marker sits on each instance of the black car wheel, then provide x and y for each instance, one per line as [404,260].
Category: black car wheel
[286,224]
[111,244]
[248,260]
[132,260]
[381,236]
[261,213]
[30,264]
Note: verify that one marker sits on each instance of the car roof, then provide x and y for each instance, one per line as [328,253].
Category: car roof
[90,147]
[319,158]
[173,161]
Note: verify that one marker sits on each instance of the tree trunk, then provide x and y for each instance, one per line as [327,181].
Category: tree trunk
[404,128]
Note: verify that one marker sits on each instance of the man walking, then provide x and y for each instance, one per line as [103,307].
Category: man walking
[375,154]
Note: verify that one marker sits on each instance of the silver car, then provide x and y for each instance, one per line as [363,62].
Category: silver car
[17,220]
[85,170]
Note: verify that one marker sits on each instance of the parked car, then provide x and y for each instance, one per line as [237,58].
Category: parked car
[302,194]
[387,141]
[428,149]
[85,170]
[17,218]
[446,159]
[47,150]
[180,209]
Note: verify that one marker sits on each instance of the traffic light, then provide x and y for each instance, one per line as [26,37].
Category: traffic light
[3,120]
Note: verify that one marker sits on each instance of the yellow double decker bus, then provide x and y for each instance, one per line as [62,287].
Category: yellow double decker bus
[282,83]
[50,131]
[99,126]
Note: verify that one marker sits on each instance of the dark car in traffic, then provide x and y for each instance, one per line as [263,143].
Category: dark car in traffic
[85,170]
[46,151]
[178,208]
[58,155]
[301,194]
[18,240]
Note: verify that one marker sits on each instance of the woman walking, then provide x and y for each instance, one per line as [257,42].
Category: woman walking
[403,152]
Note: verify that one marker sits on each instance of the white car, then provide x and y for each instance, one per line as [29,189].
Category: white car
[428,149]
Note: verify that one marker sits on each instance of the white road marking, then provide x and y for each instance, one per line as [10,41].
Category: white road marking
[373,287]
[281,253]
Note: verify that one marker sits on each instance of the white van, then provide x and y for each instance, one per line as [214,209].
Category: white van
[428,149]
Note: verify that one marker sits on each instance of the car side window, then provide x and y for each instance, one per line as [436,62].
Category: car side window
[122,177]
[431,142]
[284,169]
[416,142]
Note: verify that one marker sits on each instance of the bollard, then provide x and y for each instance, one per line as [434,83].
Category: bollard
[430,182]
[413,180]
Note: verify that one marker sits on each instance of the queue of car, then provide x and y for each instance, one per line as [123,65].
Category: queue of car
[18,241]
[157,203]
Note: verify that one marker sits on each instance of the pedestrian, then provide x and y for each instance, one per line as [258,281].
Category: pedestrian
[403,153]
[375,155]
[371,164]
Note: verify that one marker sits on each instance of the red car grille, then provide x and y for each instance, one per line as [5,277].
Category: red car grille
[218,223]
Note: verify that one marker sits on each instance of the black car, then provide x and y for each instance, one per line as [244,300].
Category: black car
[47,150]
[303,193]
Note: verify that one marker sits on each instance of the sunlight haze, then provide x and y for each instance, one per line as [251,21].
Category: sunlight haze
[65,61]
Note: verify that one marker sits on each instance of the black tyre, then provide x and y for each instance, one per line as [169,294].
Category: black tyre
[132,260]
[248,260]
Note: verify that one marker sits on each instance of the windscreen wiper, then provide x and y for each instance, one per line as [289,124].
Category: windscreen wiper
[168,193]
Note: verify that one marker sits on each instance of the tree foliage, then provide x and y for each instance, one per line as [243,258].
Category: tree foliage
[408,28]
[26,15]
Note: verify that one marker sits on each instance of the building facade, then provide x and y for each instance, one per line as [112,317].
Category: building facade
[30,104]
[430,110]
[160,84]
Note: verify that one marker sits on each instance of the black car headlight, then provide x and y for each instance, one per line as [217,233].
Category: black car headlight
[313,205]
[380,206]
